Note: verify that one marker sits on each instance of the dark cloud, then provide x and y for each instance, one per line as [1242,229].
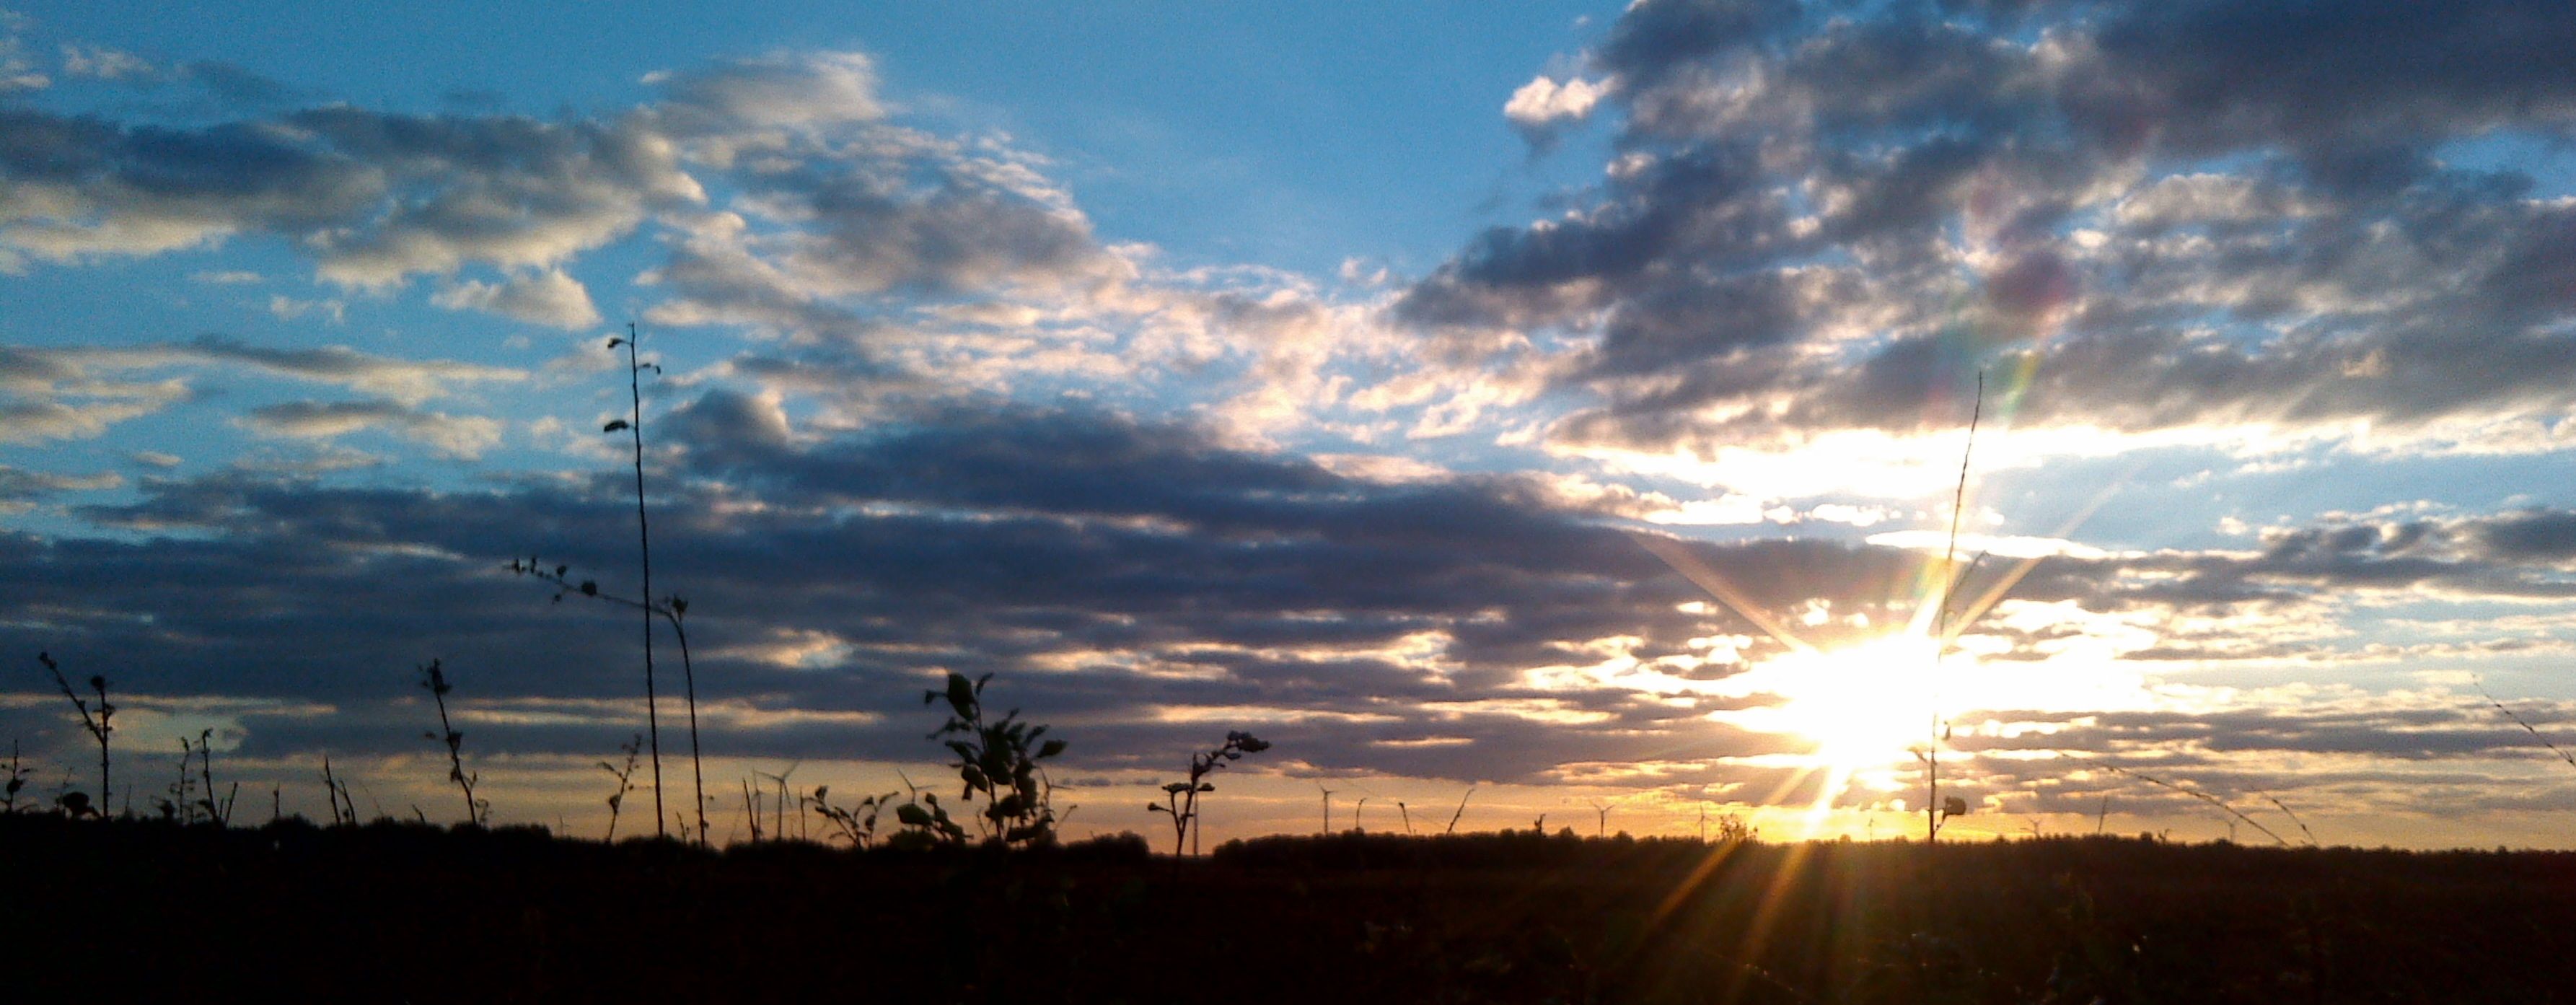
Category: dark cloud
[1654,36]
[1798,203]
[2527,535]
[19,487]
[373,196]
[1100,564]
[2373,74]
[1105,568]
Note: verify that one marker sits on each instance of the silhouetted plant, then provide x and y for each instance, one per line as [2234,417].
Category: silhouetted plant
[179,808]
[1462,810]
[625,781]
[924,822]
[634,424]
[213,810]
[17,781]
[1937,811]
[857,824]
[2221,804]
[221,812]
[2526,726]
[2294,818]
[999,760]
[335,794]
[434,680]
[1181,799]
[674,610]
[99,726]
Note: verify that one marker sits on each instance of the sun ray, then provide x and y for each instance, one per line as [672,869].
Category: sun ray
[1678,555]
[1994,593]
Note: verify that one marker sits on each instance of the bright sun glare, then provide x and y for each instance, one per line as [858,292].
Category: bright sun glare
[1864,705]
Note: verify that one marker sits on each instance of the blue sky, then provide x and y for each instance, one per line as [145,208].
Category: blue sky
[1561,399]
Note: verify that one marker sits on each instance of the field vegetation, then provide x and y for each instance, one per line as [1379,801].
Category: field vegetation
[392,911]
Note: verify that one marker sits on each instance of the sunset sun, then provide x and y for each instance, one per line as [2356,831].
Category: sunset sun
[1863,705]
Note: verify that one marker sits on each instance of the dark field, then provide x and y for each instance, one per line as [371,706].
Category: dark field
[125,910]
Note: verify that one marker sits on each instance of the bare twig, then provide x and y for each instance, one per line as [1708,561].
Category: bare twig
[336,793]
[2188,791]
[2294,818]
[673,610]
[1932,804]
[2526,726]
[434,680]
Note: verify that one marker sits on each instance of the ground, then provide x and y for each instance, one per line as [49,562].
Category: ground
[399,912]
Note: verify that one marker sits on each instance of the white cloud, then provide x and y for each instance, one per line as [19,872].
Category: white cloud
[461,437]
[1545,102]
[545,298]
[288,308]
[102,63]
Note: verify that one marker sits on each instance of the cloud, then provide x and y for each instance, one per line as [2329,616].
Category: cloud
[545,298]
[102,63]
[1138,582]
[875,259]
[1543,105]
[806,90]
[464,437]
[79,392]
[18,74]
[287,308]
[1816,226]
[373,197]
[42,421]
[20,488]
[406,381]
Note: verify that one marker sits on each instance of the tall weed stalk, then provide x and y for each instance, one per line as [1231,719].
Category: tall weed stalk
[673,610]
[99,725]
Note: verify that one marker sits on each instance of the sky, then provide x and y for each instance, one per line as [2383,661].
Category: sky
[1553,405]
